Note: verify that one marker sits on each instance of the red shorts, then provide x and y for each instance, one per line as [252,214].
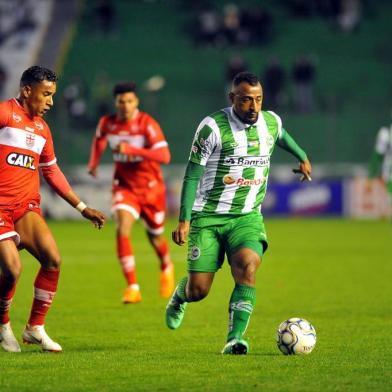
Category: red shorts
[149,205]
[9,215]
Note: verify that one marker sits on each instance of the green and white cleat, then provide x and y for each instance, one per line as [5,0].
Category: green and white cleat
[175,312]
[236,347]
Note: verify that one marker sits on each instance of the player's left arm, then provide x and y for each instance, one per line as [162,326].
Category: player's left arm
[286,142]
[159,152]
[156,145]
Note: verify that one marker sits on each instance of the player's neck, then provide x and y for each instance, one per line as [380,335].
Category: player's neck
[23,104]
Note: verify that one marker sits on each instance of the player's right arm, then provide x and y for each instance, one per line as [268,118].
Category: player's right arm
[98,146]
[203,145]
[193,174]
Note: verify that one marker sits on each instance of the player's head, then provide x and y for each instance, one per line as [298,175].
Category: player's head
[37,87]
[126,100]
[246,95]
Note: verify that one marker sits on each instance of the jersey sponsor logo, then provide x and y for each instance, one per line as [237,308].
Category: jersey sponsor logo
[194,253]
[29,129]
[30,139]
[21,160]
[117,157]
[247,161]
[230,180]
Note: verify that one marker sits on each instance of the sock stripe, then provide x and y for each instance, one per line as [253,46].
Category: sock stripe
[44,295]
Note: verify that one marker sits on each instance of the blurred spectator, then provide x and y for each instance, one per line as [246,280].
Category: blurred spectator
[75,96]
[17,18]
[232,24]
[257,23]
[105,16]
[100,92]
[273,81]
[208,27]
[350,15]
[303,75]
[235,65]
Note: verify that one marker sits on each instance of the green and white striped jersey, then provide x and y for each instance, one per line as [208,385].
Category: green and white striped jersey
[384,147]
[237,161]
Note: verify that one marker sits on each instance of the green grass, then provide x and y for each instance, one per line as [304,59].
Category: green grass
[335,273]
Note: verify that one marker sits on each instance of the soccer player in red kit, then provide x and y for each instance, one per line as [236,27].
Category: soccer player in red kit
[139,147]
[25,146]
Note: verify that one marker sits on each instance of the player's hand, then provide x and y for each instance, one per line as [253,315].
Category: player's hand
[125,148]
[305,168]
[180,234]
[95,216]
[92,171]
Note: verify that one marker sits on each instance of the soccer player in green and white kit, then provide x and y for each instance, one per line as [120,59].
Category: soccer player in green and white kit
[224,185]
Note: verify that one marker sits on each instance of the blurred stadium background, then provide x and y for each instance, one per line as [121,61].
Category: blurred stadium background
[325,65]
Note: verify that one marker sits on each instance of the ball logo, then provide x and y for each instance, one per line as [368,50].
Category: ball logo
[228,179]
[194,253]
[21,160]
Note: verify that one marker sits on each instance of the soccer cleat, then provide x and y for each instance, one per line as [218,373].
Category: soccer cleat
[236,347]
[7,339]
[132,294]
[166,281]
[36,335]
[175,312]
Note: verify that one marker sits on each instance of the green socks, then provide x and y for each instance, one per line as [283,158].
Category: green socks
[241,306]
[180,291]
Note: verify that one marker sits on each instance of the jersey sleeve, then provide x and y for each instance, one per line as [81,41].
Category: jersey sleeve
[204,144]
[5,112]
[154,134]
[279,123]
[47,157]
[382,141]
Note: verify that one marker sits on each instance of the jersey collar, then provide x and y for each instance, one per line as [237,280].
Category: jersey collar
[237,124]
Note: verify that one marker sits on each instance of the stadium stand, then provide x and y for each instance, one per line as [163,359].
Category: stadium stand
[352,84]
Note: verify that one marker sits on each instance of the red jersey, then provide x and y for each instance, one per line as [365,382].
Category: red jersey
[133,172]
[25,144]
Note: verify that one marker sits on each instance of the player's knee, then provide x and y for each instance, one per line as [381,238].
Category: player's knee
[197,292]
[13,272]
[52,261]
[245,269]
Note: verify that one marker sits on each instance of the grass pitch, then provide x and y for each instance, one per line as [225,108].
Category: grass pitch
[335,273]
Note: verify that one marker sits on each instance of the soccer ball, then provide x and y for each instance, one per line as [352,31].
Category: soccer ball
[296,336]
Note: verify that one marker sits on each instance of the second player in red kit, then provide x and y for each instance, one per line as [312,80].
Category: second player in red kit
[139,148]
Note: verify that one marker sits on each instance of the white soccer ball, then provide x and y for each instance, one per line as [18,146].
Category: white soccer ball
[296,336]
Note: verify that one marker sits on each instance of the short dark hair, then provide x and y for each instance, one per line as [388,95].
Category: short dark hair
[37,74]
[247,77]
[121,88]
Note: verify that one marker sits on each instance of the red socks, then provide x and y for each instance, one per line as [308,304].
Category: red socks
[7,291]
[127,260]
[45,287]
[162,252]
